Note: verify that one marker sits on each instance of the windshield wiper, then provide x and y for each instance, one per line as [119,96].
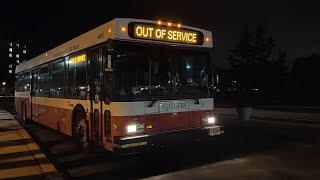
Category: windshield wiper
[154,100]
[196,100]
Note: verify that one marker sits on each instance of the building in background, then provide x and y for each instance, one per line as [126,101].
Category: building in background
[17,53]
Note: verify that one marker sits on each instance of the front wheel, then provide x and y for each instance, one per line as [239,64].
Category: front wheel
[80,131]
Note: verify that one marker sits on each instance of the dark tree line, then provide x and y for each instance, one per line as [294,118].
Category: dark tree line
[306,77]
[255,63]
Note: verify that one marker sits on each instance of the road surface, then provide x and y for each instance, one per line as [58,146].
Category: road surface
[260,149]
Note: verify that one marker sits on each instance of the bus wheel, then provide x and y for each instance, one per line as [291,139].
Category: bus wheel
[81,130]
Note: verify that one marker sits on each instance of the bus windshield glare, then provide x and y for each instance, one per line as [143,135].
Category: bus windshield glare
[160,72]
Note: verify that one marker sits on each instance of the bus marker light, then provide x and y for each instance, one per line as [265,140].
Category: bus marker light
[169,24]
[149,126]
[159,22]
[179,25]
[123,29]
[207,39]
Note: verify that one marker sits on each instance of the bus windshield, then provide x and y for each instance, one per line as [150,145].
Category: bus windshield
[144,73]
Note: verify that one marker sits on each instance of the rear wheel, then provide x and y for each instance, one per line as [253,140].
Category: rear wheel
[80,130]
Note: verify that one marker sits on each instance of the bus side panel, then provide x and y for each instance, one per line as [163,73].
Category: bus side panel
[28,106]
[65,121]
[17,104]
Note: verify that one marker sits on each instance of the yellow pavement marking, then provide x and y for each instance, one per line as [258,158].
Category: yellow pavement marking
[46,168]
[16,132]
[20,172]
[13,149]
[40,156]
[9,137]
[17,159]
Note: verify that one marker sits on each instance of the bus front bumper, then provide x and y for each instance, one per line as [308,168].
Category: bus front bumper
[138,143]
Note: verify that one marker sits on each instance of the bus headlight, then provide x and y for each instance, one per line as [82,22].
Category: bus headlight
[209,120]
[134,128]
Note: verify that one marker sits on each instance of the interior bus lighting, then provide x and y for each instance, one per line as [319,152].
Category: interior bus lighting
[123,29]
[179,25]
[169,24]
[159,22]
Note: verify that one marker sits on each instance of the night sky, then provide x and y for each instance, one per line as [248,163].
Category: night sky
[295,25]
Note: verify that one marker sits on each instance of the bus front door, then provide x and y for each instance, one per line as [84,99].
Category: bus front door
[95,58]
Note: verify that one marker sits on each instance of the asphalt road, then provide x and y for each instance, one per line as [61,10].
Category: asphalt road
[259,149]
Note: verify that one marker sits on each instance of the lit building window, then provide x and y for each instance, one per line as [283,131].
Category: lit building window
[18,61]
[18,45]
[25,46]
[17,55]
[10,71]
[10,55]
[24,51]
[10,44]
[10,49]
[10,65]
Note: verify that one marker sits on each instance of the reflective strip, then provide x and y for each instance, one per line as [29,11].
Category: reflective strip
[135,108]
[131,145]
[134,137]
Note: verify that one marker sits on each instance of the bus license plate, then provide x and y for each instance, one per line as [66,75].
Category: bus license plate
[214,131]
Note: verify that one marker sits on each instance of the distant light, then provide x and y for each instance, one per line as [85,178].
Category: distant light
[179,25]
[159,22]
[46,54]
[123,29]
[4,83]
[169,24]
[109,30]
[207,39]
[188,66]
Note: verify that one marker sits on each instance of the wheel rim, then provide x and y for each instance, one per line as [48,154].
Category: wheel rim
[82,132]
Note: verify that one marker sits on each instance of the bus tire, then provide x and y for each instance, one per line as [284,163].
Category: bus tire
[80,130]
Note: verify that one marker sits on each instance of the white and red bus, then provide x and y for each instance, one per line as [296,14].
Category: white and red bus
[122,83]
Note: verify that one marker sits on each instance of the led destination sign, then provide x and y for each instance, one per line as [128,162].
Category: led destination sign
[163,33]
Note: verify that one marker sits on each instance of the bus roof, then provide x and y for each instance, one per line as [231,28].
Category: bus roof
[118,29]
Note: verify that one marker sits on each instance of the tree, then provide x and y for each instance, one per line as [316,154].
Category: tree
[306,76]
[252,63]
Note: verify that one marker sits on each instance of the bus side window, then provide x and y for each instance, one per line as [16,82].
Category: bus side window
[44,81]
[58,79]
[33,84]
[77,80]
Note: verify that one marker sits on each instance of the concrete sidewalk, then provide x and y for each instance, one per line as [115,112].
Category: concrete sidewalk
[20,156]
[258,114]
